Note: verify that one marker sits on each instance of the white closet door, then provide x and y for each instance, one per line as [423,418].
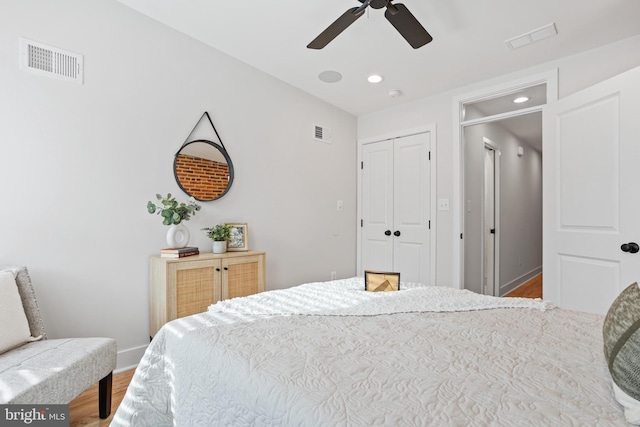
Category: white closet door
[412,185]
[377,206]
[591,197]
[396,183]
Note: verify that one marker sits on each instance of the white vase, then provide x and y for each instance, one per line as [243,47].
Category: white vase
[219,247]
[178,236]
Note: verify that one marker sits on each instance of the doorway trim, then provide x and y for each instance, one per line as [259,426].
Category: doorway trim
[431,129]
[551,79]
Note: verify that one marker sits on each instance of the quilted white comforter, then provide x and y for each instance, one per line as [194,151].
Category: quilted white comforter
[331,354]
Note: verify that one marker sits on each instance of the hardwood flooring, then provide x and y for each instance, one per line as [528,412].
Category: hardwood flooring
[530,289]
[83,411]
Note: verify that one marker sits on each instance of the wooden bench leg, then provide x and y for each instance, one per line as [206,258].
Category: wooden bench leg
[104,396]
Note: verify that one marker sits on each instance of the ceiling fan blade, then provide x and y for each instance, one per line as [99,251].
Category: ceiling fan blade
[407,25]
[338,26]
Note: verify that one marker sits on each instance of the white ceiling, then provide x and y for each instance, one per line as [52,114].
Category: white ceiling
[468,43]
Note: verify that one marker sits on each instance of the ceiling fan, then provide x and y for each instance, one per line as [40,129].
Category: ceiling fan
[397,14]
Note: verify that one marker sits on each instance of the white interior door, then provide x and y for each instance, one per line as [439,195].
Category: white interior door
[591,197]
[411,231]
[489,225]
[396,204]
[377,206]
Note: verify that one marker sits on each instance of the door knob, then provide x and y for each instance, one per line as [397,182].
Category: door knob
[396,233]
[387,233]
[631,247]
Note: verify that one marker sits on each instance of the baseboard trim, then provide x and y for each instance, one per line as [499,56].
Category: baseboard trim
[129,359]
[519,281]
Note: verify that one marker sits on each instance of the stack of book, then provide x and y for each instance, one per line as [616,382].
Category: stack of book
[179,252]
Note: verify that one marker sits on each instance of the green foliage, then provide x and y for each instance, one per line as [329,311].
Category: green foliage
[219,233]
[171,211]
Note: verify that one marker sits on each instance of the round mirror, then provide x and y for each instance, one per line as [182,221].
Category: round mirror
[203,170]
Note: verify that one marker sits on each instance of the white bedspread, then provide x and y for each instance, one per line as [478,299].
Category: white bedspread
[348,298]
[331,354]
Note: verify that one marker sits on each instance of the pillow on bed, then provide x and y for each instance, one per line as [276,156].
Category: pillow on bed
[621,333]
[14,327]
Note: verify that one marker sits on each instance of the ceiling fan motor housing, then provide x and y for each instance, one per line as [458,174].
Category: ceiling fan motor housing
[379,4]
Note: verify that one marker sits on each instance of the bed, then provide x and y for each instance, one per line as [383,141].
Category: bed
[332,354]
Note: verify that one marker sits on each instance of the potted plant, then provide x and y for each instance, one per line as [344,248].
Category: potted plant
[220,235]
[173,214]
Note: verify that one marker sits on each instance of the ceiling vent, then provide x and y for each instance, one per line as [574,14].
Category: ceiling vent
[51,61]
[321,133]
[532,36]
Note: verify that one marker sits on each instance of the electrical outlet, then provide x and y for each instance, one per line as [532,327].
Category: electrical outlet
[443,204]
[334,275]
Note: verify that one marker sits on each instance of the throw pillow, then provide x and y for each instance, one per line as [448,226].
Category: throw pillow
[14,327]
[621,334]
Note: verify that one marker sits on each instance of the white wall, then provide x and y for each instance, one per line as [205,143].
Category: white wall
[78,164]
[575,73]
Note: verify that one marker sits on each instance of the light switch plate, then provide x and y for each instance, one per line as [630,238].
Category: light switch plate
[443,204]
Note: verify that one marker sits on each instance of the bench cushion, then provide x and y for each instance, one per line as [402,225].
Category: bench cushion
[54,371]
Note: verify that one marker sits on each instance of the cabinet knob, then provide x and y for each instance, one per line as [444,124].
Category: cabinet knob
[217,269]
[226,268]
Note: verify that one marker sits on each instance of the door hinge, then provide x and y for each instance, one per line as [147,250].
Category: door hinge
[460,236]
[429,155]
[429,224]
[361,165]
[361,223]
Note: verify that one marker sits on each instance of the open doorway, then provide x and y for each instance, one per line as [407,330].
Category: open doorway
[502,196]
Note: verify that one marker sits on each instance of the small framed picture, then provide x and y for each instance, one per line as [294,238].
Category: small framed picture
[239,239]
[381,281]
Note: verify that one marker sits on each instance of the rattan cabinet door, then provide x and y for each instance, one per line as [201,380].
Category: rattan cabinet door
[195,287]
[179,287]
[243,276]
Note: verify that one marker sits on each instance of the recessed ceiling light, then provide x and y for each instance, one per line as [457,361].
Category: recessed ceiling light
[330,76]
[521,99]
[375,78]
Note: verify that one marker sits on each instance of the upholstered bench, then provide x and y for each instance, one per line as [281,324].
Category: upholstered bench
[48,371]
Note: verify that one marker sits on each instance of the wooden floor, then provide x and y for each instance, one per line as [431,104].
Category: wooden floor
[83,411]
[530,289]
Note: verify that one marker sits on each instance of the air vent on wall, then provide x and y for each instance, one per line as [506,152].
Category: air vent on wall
[50,61]
[321,133]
